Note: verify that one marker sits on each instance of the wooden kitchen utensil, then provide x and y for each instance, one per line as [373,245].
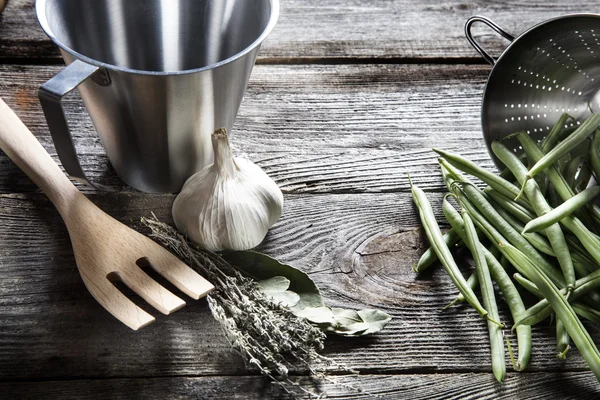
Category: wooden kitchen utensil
[104,248]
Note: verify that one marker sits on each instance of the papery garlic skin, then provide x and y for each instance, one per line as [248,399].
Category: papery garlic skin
[229,205]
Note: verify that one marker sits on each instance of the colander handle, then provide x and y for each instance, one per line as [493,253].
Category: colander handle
[486,56]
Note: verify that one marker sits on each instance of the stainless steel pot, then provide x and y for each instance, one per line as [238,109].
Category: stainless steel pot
[156,76]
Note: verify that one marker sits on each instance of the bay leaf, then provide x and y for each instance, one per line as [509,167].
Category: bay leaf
[261,267]
[277,289]
[348,322]
[276,277]
[317,315]
[375,318]
[351,323]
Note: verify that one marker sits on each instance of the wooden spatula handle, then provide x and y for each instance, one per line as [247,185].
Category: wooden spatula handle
[17,141]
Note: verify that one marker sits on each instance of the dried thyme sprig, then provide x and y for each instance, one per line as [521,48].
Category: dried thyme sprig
[268,336]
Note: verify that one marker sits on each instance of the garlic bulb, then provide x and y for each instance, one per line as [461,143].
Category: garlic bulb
[229,205]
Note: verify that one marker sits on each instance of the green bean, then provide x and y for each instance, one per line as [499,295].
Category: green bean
[507,174]
[509,205]
[582,259]
[563,148]
[592,297]
[540,179]
[562,340]
[515,304]
[472,281]
[449,171]
[562,308]
[538,241]
[540,205]
[595,163]
[505,284]
[504,261]
[582,180]
[561,164]
[577,247]
[595,211]
[494,181]
[488,229]
[446,177]
[561,250]
[541,310]
[565,209]
[563,189]
[558,181]
[587,284]
[589,240]
[556,133]
[580,269]
[571,170]
[489,300]
[516,307]
[528,285]
[497,238]
[595,154]
[432,230]
[542,182]
[587,312]
[578,253]
[498,221]
[429,257]
[581,256]
[553,197]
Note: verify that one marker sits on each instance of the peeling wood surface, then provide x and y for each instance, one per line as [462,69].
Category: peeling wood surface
[349,97]
[563,385]
[359,248]
[313,128]
[316,30]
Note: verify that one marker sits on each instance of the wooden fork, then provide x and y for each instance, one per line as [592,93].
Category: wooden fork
[104,248]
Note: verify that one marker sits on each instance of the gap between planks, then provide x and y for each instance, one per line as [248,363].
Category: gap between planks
[540,386]
[48,61]
[362,373]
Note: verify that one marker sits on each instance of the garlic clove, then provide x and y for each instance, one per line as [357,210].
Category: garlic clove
[229,205]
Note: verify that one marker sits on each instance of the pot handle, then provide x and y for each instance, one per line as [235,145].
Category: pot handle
[51,94]
[486,56]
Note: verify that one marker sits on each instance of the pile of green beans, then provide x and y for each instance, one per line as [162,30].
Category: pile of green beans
[526,235]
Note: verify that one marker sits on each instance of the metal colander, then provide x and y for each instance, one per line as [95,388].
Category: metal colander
[550,69]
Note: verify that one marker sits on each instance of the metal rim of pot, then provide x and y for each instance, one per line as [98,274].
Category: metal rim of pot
[40,7]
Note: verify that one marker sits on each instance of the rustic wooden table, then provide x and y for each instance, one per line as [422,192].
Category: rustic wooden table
[348,97]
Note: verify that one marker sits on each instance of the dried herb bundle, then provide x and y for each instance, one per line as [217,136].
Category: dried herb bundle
[269,336]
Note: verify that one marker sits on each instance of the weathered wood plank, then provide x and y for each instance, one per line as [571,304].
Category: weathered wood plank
[359,248]
[315,129]
[313,30]
[546,386]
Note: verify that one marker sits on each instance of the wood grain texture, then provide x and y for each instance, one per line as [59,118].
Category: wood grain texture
[359,248]
[314,129]
[339,140]
[534,386]
[316,30]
